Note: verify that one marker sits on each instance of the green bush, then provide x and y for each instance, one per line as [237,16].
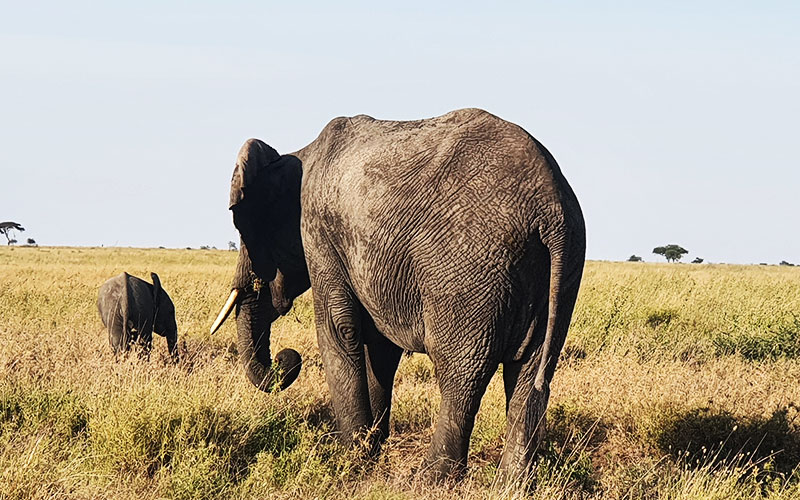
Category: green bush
[782,342]
[661,317]
[135,433]
[196,475]
[59,413]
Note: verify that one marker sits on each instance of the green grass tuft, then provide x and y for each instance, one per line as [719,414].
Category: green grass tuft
[782,342]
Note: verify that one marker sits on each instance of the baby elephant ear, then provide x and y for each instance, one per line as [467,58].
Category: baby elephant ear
[156,288]
[253,157]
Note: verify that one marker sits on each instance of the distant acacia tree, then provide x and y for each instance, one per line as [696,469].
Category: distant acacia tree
[671,252]
[697,260]
[232,245]
[32,242]
[8,228]
[634,258]
[784,263]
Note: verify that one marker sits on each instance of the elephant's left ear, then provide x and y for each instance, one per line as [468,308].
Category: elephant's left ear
[253,157]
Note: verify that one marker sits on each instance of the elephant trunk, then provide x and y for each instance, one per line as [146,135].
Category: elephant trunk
[253,329]
[255,313]
[172,343]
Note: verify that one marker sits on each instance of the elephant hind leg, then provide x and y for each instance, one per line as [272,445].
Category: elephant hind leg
[119,334]
[525,414]
[462,383]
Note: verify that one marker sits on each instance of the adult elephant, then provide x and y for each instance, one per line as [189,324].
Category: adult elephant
[456,236]
[132,309]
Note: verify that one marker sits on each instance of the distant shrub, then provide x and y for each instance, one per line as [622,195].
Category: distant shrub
[634,258]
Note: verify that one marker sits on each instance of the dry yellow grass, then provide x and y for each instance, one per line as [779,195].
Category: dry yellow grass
[679,381]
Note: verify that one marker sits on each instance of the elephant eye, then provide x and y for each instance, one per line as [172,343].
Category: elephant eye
[347,333]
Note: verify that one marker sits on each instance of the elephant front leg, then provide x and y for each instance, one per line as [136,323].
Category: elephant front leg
[340,337]
[145,344]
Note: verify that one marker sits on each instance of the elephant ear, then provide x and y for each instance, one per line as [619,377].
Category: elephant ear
[157,290]
[254,156]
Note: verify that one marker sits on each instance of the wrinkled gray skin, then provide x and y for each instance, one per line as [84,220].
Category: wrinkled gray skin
[455,236]
[132,309]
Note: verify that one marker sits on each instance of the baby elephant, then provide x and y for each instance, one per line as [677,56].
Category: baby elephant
[132,309]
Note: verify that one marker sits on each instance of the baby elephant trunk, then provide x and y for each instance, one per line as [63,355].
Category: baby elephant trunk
[172,342]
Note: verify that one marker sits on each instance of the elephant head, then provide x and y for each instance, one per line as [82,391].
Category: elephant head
[271,271]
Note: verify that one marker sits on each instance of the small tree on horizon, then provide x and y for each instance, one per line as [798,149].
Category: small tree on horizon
[634,258]
[8,228]
[697,260]
[671,252]
[32,242]
[232,245]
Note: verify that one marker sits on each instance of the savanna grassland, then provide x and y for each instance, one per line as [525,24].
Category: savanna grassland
[678,381]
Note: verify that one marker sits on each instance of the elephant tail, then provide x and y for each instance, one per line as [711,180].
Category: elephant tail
[567,255]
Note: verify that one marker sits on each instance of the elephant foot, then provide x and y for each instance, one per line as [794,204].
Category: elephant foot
[365,443]
[507,480]
[441,470]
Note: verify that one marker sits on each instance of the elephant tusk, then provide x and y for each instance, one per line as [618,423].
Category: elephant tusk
[226,310]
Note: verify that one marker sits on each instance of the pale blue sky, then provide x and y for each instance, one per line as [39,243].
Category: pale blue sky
[675,122]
